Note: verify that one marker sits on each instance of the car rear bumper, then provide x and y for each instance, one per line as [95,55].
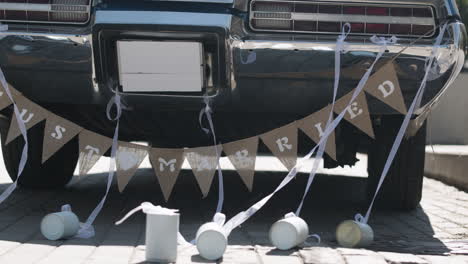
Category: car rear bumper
[290,74]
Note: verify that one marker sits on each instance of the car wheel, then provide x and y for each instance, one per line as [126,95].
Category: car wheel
[54,173]
[402,188]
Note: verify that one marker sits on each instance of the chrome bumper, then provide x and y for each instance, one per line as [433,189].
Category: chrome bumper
[289,74]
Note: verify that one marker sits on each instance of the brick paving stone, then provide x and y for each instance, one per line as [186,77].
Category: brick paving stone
[28,252]
[437,228]
[138,255]
[361,256]
[189,255]
[445,259]
[321,255]
[394,258]
[271,255]
[74,251]
[18,233]
[240,255]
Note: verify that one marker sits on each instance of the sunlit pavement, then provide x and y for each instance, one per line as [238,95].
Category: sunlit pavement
[437,232]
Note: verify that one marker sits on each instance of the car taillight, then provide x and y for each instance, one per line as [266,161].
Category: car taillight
[45,11]
[318,17]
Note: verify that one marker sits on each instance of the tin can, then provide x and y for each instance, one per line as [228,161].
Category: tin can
[60,225]
[289,232]
[211,241]
[354,234]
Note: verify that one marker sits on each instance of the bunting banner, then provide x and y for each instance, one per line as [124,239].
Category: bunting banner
[166,165]
[384,85]
[5,100]
[314,125]
[91,146]
[57,132]
[31,114]
[243,154]
[128,159]
[357,112]
[203,161]
[282,142]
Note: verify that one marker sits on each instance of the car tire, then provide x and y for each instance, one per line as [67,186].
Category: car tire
[402,188]
[54,173]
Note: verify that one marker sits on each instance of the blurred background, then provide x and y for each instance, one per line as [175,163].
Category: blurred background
[447,124]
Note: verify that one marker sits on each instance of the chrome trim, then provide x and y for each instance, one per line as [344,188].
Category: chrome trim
[199,1]
[25,7]
[51,8]
[162,18]
[322,17]
[359,19]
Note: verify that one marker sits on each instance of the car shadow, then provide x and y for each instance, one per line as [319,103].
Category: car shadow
[332,199]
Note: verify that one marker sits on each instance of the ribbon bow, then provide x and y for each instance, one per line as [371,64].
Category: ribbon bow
[84,231]
[383,40]
[115,100]
[148,208]
[206,111]
[359,218]
[316,236]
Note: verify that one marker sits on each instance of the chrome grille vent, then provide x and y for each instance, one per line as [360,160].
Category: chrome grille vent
[321,17]
[45,11]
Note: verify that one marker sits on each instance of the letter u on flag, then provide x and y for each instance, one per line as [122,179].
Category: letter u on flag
[30,113]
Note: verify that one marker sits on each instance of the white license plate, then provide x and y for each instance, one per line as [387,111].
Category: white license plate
[160,66]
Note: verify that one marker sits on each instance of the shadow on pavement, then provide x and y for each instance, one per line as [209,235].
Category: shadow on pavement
[332,199]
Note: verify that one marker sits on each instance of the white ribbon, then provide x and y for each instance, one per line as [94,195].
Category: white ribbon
[244,215]
[67,208]
[149,208]
[22,127]
[341,47]
[206,111]
[315,236]
[87,230]
[251,57]
[383,46]
[415,104]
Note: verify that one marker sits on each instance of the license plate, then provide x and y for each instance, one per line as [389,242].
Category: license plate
[160,66]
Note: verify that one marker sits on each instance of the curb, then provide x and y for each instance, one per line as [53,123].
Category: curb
[448,164]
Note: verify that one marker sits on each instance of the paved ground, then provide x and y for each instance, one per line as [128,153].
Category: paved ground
[437,232]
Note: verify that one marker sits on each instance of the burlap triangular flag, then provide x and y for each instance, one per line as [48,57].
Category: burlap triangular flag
[384,85]
[58,131]
[92,147]
[357,113]
[4,99]
[30,112]
[282,142]
[314,126]
[203,161]
[128,158]
[166,165]
[242,154]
